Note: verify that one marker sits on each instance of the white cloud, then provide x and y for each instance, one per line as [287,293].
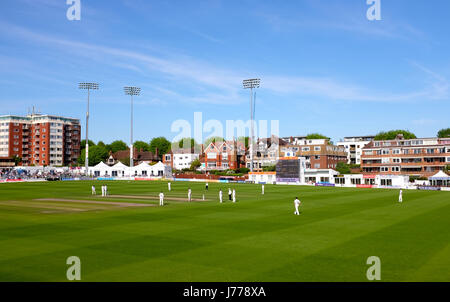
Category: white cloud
[222,86]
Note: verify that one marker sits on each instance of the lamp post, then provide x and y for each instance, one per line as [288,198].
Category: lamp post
[131,91]
[250,84]
[88,87]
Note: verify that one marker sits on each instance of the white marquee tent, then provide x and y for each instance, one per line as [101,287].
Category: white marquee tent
[440,179]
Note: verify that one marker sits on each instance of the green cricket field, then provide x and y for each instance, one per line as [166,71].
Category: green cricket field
[127,236]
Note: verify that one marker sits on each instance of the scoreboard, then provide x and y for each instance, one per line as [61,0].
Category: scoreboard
[288,170]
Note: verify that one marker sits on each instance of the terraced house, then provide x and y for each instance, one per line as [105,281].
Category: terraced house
[41,140]
[415,157]
[223,156]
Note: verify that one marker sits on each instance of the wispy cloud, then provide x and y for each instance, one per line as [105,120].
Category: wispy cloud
[220,85]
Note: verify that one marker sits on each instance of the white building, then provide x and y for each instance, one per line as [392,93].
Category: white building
[143,170]
[354,145]
[180,159]
[262,177]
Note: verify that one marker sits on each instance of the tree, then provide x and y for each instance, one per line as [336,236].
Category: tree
[243,139]
[96,155]
[213,139]
[392,134]
[269,168]
[184,143]
[343,168]
[117,146]
[141,145]
[316,136]
[161,143]
[17,160]
[444,133]
[101,143]
[83,143]
[195,164]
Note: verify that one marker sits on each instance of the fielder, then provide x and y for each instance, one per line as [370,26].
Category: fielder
[103,191]
[93,190]
[400,196]
[189,194]
[169,186]
[220,196]
[229,194]
[234,195]
[161,199]
[296,204]
[262,188]
[206,186]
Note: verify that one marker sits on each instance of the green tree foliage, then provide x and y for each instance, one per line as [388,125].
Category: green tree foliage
[444,133]
[187,143]
[117,146]
[195,164]
[101,144]
[96,155]
[269,168]
[316,136]
[141,145]
[213,139]
[17,160]
[343,168]
[161,143]
[83,143]
[392,134]
[243,139]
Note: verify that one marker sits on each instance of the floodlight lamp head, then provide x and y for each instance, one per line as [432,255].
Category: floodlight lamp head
[85,85]
[132,90]
[251,83]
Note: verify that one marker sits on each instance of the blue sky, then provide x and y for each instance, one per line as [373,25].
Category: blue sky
[323,66]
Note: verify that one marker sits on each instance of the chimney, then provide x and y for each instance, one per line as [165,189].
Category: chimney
[291,140]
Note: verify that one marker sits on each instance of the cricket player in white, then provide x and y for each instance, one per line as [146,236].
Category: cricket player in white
[400,196]
[296,204]
[169,186]
[161,199]
[229,194]
[220,196]
[234,195]
[103,190]
[262,189]
[93,190]
[106,190]
[189,194]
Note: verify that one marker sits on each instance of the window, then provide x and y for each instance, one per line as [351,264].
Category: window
[386,182]
[395,169]
[396,151]
[316,166]
[384,169]
[385,151]
[396,160]
[316,156]
[430,151]
[385,160]
[305,149]
[211,155]
[317,148]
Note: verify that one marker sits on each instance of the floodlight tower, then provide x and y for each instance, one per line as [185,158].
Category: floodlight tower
[88,87]
[250,84]
[131,91]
